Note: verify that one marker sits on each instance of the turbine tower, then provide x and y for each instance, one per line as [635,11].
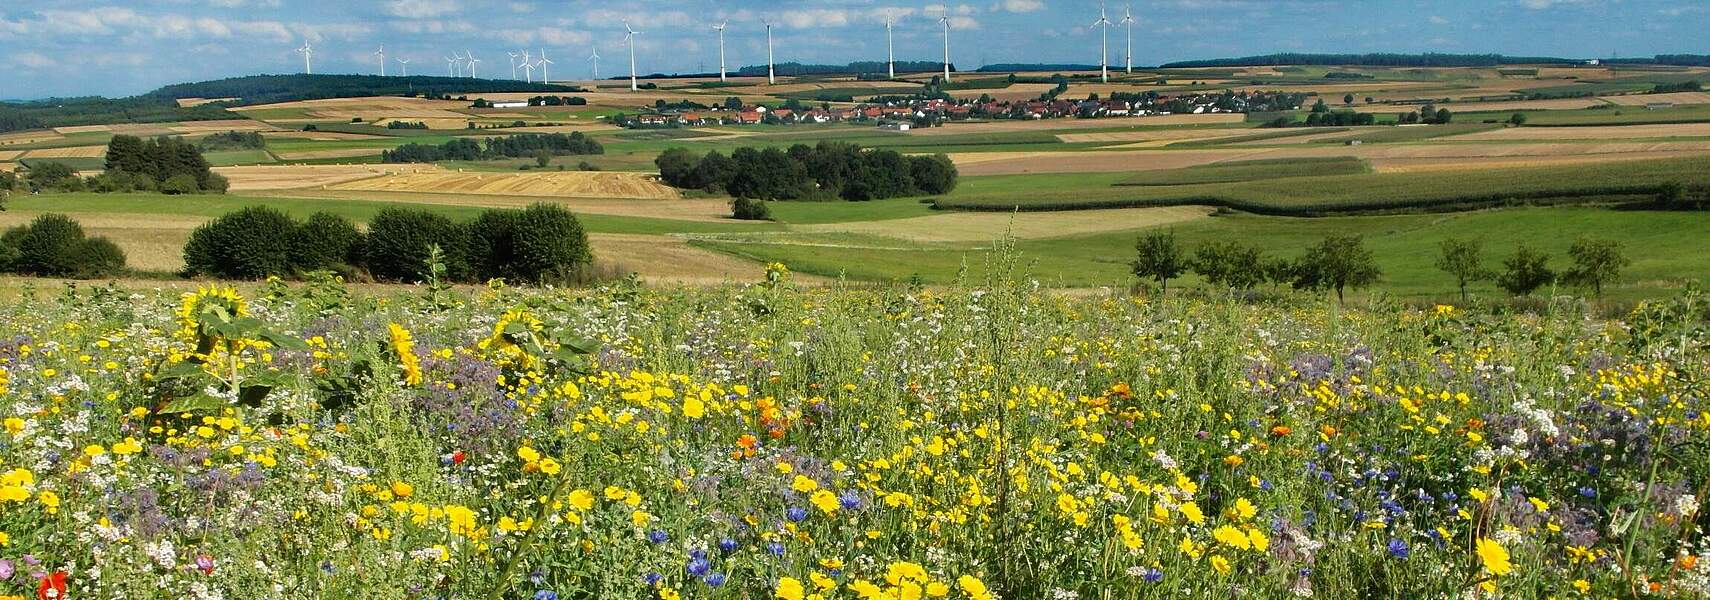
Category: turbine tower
[405,63]
[308,52]
[1104,45]
[720,27]
[1128,57]
[451,66]
[945,20]
[544,73]
[382,55]
[513,56]
[472,61]
[630,37]
[890,50]
[595,57]
[771,73]
[528,67]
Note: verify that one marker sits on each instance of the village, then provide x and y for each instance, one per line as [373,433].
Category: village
[914,112]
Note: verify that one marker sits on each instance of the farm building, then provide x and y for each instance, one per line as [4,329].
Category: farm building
[511,104]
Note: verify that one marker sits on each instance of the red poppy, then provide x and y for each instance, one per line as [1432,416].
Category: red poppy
[457,457]
[52,587]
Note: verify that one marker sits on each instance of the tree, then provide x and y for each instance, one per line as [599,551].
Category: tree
[1525,272]
[1444,116]
[677,167]
[1348,99]
[1595,262]
[1460,258]
[1338,262]
[1160,259]
[1229,263]
[1517,119]
[1319,107]
[252,243]
[933,174]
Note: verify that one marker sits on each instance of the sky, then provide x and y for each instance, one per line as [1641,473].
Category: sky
[125,47]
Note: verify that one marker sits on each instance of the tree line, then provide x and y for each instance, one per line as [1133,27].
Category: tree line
[268,89]
[792,69]
[1340,262]
[826,170]
[1380,59]
[515,146]
[543,243]
[172,164]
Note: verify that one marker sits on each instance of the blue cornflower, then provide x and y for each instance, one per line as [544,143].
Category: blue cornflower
[1153,576]
[652,579]
[849,501]
[1398,548]
[714,579]
[727,545]
[1587,492]
[658,536]
[775,548]
[796,514]
[545,595]
[698,567]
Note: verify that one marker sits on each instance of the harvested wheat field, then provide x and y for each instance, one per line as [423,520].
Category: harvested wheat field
[8,167]
[1097,161]
[324,136]
[1015,92]
[69,152]
[83,129]
[1671,97]
[1155,137]
[189,102]
[977,227]
[1414,165]
[1498,150]
[568,184]
[1012,125]
[8,155]
[29,137]
[152,242]
[319,154]
[710,210]
[661,259]
[1605,132]
[199,127]
[1461,107]
[284,177]
[443,124]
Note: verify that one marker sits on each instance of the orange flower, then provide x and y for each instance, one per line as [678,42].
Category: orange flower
[1281,431]
[1686,562]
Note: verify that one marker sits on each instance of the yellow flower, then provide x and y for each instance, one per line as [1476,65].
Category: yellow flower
[93,450]
[405,347]
[975,588]
[549,466]
[825,500]
[1232,537]
[402,490]
[1220,564]
[128,447]
[804,484]
[14,425]
[693,407]
[789,588]
[1191,511]
[49,499]
[582,499]
[1582,585]
[1244,509]
[1494,557]
[528,455]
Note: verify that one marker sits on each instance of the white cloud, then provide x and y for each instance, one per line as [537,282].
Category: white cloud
[1437,20]
[1543,4]
[420,9]
[243,3]
[1020,6]
[33,60]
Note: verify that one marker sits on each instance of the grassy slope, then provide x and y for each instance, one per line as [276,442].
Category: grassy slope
[1251,170]
[1663,246]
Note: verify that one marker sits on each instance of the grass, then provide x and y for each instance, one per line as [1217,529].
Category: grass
[1338,193]
[238,157]
[808,213]
[1409,134]
[1664,246]
[1250,170]
[1618,115]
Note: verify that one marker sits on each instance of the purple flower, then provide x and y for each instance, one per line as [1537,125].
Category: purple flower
[796,514]
[545,595]
[714,579]
[698,567]
[1398,548]
[727,545]
[658,536]
[1153,576]
[849,501]
[652,579]
[6,569]
[775,548]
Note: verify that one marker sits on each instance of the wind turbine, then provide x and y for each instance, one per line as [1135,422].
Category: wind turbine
[382,55]
[631,39]
[720,27]
[544,74]
[405,62]
[472,61]
[771,74]
[451,65]
[513,64]
[890,50]
[945,20]
[1104,45]
[528,67]
[596,58]
[308,52]
[1128,57]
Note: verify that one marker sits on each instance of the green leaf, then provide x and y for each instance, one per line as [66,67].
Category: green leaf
[179,370]
[284,342]
[252,395]
[580,345]
[199,403]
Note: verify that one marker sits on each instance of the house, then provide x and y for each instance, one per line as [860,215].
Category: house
[895,125]
[511,104]
[784,114]
[1658,105]
[653,119]
[748,117]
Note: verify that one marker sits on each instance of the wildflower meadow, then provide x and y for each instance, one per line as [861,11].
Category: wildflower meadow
[775,441]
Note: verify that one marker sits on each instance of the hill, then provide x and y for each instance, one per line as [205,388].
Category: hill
[1381,59]
[269,89]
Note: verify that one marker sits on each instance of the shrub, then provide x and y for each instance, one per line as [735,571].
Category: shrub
[53,245]
[1525,272]
[325,242]
[933,174]
[549,244]
[492,243]
[750,209]
[398,241]
[251,243]
[52,175]
[179,184]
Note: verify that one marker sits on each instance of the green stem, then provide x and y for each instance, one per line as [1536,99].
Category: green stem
[504,582]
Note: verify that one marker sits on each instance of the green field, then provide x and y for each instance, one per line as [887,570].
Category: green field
[1250,170]
[1665,246]
[1338,193]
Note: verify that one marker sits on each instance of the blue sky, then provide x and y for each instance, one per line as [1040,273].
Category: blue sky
[111,47]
